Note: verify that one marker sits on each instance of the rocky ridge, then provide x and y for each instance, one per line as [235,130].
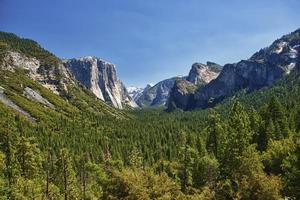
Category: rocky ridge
[262,69]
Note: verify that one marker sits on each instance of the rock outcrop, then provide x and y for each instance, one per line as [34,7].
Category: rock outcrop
[203,74]
[101,78]
[6,101]
[36,96]
[182,94]
[54,77]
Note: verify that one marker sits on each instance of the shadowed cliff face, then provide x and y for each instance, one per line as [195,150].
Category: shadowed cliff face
[245,74]
[182,93]
[101,78]
[262,69]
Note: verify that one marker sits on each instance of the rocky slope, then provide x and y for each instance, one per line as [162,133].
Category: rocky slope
[41,65]
[181,95]
[101,78]
[262,69]
[6,101]
[32,78]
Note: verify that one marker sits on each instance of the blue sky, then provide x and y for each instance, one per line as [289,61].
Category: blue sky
[150,40]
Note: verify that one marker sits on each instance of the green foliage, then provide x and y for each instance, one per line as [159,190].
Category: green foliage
[205,171]
[239,136]
[29,157]
[275,154]
[135,158]
[28,47]
[141,184]
[215,132]
[66,176]
[252,182]
[291,168]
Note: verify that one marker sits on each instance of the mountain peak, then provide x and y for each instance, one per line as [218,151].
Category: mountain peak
[90,59]
[201,73]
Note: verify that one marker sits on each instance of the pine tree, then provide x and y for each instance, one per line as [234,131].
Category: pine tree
[187,159]
[66,176]
[275,111]
[239,138]
[29,157]
[215,130]
[265,135]
[8,141]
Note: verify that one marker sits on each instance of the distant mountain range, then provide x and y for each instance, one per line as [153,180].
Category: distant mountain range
[136,92]
[203,87]
[158,95]
[208,84]
[262,69]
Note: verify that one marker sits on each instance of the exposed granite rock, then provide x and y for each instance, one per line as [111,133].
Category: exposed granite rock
[32,94]
[16,59]
[182,94]
[203,74]
[6,101]
[101,78]
[262,69]
[54,77]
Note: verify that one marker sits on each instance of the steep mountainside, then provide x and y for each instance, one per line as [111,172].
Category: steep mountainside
[101,78]
[262,69]
[25,67]
[41,65]
[183,91]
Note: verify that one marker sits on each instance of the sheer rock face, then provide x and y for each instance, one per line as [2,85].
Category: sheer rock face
[201,73]
[182,94]
[101,78]
[262,69]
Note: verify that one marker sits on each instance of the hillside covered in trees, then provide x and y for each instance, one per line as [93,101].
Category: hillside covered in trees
[248,147]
